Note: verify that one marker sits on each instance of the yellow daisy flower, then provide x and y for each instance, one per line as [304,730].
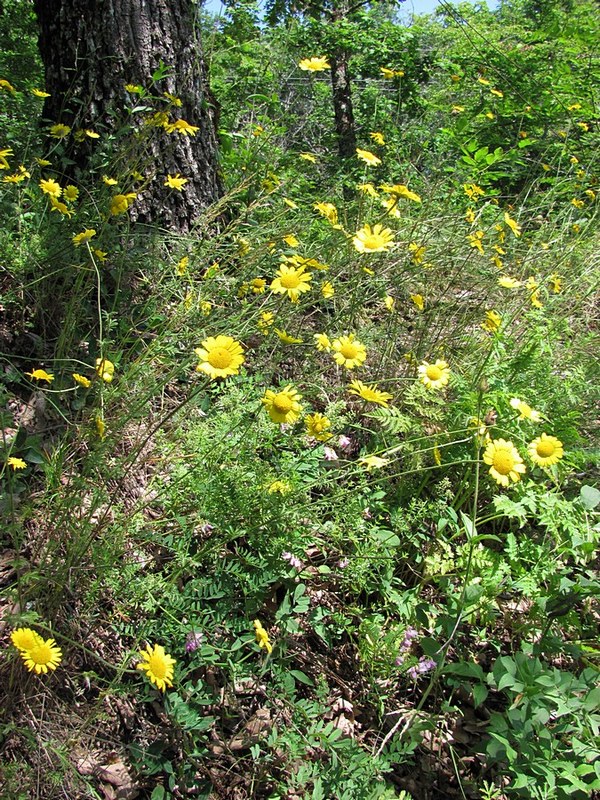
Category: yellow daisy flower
[377,137]
[512,224]
[43,656]
[525,410]
[50,187]
[492,322]
[315,64]
[545,450]
[507,282]
[283,406]
[175,182]
[327,210]
[370,393]
[434,376]
[291,281]
[158,666]
[317,426]
[327,290]
[373,240]
[369,158]
[220,357]
[182,127]
[71,193]
[121,202]
[348,352]
[25,638]
[322,342]
[505,463]
[367,188]
[59,131]
[16,463]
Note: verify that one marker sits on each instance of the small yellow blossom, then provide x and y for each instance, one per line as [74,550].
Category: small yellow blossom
[317,426]
[133,88]
[369,392]
[182,265]
[373,462]
[279,487]
[470,216]
[507,282]
[84,236]
[322,342]
[556,283]
[418,252]
[60,207]
[40,93]
[121,202]
[390,74]
[41,375]
[105,369]
[367,188]
[545,450]
[308,157]
[492,322]
[16,463]
[291,281]
[327,290]
[291,240]
[418,300]
[327,210]
[262,637]
[525,410]
[175,182]
[100,427]
[286,338]
[290,203]
[82,380]
[475,240]
[266,319]
[173,99]
[109,181]
[220,357]
[377,137]
[389,302]
[6,86]
[473,191]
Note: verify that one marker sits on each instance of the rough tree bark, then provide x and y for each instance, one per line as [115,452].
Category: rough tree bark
[342,105]
[91,49]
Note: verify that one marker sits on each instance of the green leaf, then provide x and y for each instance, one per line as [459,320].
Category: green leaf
[480,693]
[302,677]
[589,496]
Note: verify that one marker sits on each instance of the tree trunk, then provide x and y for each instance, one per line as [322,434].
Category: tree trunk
[91,49]
[342,105]
[340,85]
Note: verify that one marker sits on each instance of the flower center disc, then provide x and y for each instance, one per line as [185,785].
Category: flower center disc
[349,350]
[220,358]
[503,462]
[434,373]
[545,449]
[290,281]
[157,666]
[282,403]
[41,654]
